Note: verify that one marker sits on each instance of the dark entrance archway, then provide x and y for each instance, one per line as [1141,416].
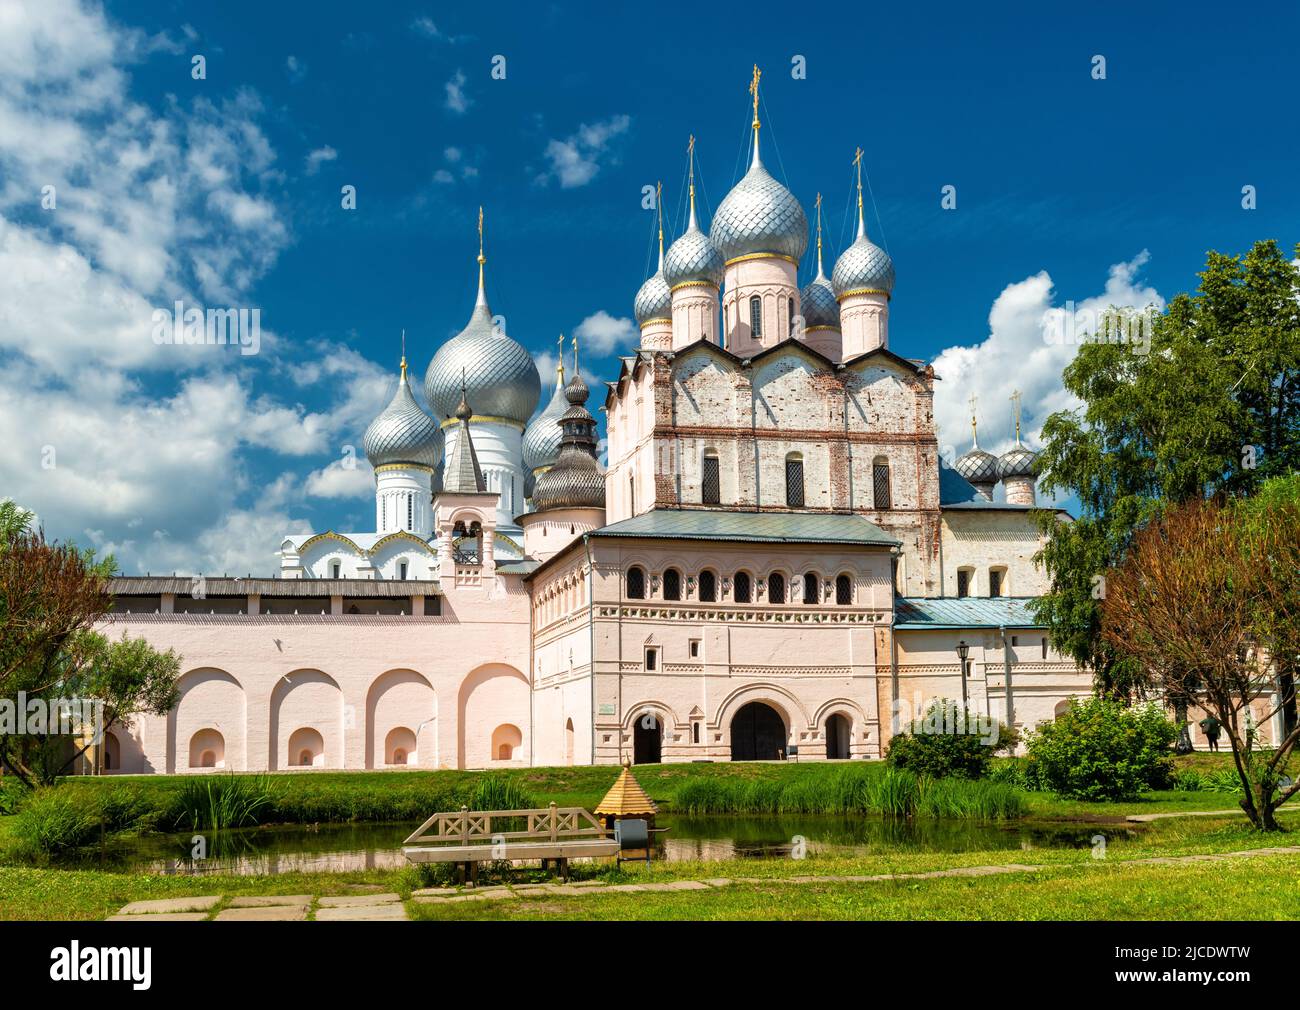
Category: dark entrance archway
[757,734]
[647,740]
[837,737]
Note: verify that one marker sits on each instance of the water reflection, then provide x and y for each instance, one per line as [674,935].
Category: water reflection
[351,847]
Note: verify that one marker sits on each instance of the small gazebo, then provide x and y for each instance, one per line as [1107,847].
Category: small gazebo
[626,799]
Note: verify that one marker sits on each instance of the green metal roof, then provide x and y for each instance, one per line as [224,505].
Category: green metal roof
[913,613]
[757,527]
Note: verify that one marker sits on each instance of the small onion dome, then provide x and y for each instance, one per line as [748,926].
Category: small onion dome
[655,299]
[542,436]
[1017,461]
[977,466]
[403,433]
[576,480]
[818,305]
[863,267]
[759,216]
[692,259]
[500,375]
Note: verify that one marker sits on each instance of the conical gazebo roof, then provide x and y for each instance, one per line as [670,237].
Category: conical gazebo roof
[626,797]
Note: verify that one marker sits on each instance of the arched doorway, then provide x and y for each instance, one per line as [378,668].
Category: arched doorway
[757,734]
[647,740]
[837,737]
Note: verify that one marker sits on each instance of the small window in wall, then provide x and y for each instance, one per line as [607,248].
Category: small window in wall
[791,317]
[708,587]
[794,497]
[710,480]
[695,648]
[636,583]
[672,584]
[651,660]
[336,568]
[810,582]
[756,317]
[741,587]
[401,570]
[880,483]
[776,588]
[1015,640]
[843,590]
[695,731]
[410,511]
[995,581]
[963,582]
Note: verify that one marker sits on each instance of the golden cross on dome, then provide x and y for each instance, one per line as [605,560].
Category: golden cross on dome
[480,234]
[973,431]
[857,161]
[753,90]
[819,223]
[1015,409]
[690,172]
[403,352]
[559,365]
[659,212]
[575,354]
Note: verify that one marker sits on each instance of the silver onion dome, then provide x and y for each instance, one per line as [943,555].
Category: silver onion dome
[977,466]
[692,259]
[863,266]
[654,300]
[759,215]
[1018,461]
[403,432]
[500,375]
[542,436]
[818,305]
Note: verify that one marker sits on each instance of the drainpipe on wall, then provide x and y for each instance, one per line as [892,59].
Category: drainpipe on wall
[1006,666]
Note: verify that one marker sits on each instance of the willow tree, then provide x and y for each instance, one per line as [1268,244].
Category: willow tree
[1203,594]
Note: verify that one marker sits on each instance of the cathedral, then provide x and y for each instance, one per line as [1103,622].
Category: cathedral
[773,564]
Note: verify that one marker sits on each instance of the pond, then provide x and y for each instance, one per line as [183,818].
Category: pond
[349,847]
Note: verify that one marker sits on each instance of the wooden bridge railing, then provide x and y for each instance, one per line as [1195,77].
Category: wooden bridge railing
[467,827]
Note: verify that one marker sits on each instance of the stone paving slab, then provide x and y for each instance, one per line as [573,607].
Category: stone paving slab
[1148,818]
[264,913]
[360,900]
[434,892]
[263,900]
[198,904]
[388,912]
[160,917]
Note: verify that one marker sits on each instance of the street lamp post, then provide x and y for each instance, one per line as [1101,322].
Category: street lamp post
[963,650]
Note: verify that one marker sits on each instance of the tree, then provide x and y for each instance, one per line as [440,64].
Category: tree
[51,598]
[1209,404]
[1202,594]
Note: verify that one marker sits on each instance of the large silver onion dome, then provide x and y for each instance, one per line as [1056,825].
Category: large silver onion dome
[759,215]
[863,266]
[654,300]
[542,436]
[1017,461]
[692,259]
[818,305]
[403,432]
[500,375]
[977,466]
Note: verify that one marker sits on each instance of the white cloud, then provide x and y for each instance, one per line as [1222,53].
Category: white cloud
[1018,355]
[601,333]
[452,154]
[337,480]
[457,101]
[318,157]
[425,27]
[576,160]
[296,69]
[442,176]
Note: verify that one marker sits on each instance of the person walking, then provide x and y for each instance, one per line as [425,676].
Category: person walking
[1210,727]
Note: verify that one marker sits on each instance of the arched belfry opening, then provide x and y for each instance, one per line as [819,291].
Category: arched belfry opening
[467,543]
[647,740]
[758,734]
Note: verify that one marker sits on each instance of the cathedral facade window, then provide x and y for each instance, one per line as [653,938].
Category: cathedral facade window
[672,584]
[880,483]
[756,317]
[965,576]
[810,587]
[776,588]
[636,583]
[742,590]
[794,496]
[708,587]
[843,590]
[710,479]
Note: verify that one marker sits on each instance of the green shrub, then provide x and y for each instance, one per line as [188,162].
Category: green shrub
[12,795]
[943,744]
[219,802]
[53,822]
[1102,750]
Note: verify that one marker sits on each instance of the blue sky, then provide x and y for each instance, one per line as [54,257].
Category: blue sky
[226,191]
